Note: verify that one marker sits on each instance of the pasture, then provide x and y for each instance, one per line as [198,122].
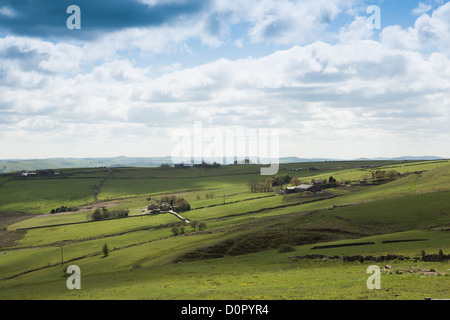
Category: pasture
[236,256]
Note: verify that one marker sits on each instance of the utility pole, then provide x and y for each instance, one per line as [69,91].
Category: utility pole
[62,259]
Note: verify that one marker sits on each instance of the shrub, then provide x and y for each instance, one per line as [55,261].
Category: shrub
[285,248]
[136,266]
[182,205]
[175,230]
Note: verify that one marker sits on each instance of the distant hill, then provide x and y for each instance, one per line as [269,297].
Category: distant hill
[15,165]
[62,163]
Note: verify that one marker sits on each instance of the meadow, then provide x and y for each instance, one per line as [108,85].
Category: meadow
[239,254]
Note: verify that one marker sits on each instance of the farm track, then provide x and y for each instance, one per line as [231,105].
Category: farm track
[99,186]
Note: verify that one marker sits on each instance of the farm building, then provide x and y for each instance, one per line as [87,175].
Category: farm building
[182,165]
[244,161]
[303,188]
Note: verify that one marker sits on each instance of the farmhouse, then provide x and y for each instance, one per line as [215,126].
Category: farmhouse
[245,161]
[182,165]
[317,182]
[303,188]
[28,174]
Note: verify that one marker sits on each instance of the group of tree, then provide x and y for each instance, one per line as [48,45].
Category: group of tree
[63,209]
[167,203]
[261,186]
[295,182]
[181,228]
[270,184]
[381,176]
[205,164]
[330,183]
[209,195]
[104,214]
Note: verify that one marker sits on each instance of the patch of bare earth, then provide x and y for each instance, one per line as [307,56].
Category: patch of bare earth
[9,238]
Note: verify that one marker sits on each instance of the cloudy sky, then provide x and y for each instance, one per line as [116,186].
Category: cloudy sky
[317,71]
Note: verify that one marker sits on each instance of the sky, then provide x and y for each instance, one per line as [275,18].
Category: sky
[320,74]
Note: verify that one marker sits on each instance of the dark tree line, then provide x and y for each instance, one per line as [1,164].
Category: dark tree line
[105,214]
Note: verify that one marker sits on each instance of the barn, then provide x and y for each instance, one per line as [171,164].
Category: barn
[302,188]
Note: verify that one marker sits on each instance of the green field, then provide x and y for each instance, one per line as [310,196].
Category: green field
[237,256]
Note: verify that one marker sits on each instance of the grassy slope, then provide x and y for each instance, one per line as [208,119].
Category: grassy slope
[265,275]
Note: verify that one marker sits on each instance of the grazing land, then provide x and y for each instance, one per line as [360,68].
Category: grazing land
[252,245]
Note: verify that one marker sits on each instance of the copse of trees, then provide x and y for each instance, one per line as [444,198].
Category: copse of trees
[384,176]
[282,178]
[180,228]
[270,184]
[261,186]
[330,183]
[181,205]
[63,209]
[105,214]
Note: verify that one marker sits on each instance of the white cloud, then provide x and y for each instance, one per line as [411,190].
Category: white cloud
[355,31]
[421,8]
[317,88]
[430,32]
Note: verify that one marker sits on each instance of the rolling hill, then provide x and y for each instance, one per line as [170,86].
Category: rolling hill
[247,248]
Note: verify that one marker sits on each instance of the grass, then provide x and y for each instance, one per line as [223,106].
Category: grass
[247,228]
[267,275]
[40,196]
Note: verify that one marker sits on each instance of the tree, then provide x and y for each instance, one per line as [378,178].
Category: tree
[182,205]
[295,182]
[202,226]
[379,175]
[268,184]
[194,224]
[175,230]
[97,215]
[392,175]
[281,179]
[252,185]
[105,250]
